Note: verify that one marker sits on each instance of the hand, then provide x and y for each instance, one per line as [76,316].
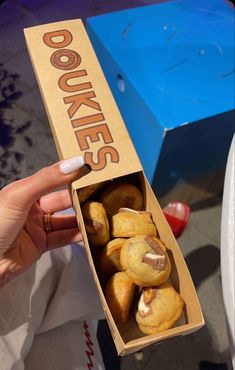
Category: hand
[23,205]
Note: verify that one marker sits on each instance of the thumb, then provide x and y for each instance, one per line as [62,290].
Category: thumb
[25,192]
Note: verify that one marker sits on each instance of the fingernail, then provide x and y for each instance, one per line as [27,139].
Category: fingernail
[71,164]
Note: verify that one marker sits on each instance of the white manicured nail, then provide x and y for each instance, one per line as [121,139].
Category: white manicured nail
[71,164]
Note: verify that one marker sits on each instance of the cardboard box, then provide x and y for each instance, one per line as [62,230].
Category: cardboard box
[170,69]
[85,121]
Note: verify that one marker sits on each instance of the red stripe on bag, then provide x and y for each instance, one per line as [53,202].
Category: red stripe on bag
[89,344]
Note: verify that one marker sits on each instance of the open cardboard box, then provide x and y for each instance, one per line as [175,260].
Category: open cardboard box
[85,121]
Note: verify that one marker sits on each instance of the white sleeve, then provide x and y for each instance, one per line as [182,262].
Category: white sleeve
[57,289]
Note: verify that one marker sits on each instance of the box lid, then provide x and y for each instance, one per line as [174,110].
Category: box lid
[178,56]
[83,115]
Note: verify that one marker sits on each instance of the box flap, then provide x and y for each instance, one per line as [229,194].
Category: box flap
[83,115]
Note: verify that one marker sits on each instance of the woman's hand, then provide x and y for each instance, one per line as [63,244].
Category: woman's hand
[23,206]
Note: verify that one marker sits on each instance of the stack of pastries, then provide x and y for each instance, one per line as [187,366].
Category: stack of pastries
[132,258]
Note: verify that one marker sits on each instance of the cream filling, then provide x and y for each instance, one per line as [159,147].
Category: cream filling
[142,307]
[155,256]
[123,209]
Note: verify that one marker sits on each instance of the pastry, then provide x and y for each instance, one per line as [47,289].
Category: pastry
[119,294]
[128,223]
[110,257]
[96,223]
[121,195]
[145,260]
[158,309]
[88,191]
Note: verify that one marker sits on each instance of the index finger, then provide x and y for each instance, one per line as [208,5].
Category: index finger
[23,193]
[56,201]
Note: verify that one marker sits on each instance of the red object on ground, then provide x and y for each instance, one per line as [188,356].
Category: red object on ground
[177,215]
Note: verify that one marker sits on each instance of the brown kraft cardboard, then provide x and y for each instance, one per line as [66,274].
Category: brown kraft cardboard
[85,121]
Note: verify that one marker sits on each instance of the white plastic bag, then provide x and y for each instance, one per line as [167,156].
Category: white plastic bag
[48,315]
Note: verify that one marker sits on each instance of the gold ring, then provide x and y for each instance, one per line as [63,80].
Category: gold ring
[47,222]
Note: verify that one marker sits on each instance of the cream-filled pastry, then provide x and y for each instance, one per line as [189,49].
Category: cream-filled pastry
[144,258]
[128,223]
[158,309]
[96,223]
